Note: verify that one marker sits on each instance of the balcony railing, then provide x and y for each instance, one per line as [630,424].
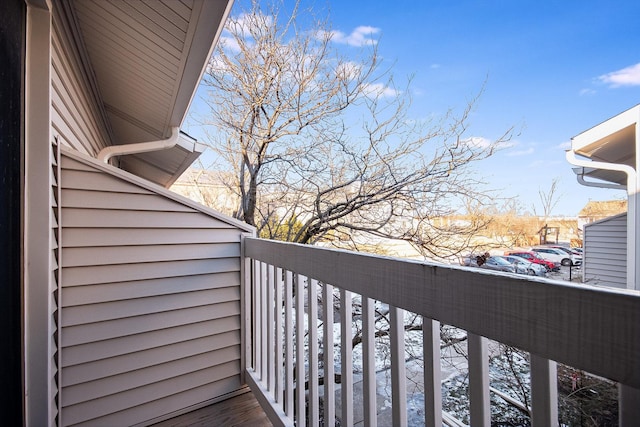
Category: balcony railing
[293,293]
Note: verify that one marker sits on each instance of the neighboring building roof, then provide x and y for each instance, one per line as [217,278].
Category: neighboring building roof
[147,59]
[602,209]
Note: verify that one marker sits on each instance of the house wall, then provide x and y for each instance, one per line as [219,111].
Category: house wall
[76,119]
[150,299]
[605,252]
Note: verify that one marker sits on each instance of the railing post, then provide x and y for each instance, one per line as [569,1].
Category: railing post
[398,371]
[432,372]
[479,404]
[544,392]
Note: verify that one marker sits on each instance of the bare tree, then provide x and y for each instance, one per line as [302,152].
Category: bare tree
[549,199]
[282,100]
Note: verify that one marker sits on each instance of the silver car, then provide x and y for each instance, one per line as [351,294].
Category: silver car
[524,266]
[495,263]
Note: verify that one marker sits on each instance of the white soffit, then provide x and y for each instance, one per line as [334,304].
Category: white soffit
[148,58]
[613,141]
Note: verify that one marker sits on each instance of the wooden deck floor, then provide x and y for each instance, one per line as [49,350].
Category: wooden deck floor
[242,410]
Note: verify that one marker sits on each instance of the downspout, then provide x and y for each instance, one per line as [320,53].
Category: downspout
[120,150]
[632,208]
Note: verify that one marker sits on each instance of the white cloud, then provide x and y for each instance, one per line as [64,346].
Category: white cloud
[523,152]
[241,26]
[230,44]
[629,76]
[215,65]
[478,142]
[482,142]
[378,89]
[586,92]
[564,145]
[349,70]
[361,36]
[247,21]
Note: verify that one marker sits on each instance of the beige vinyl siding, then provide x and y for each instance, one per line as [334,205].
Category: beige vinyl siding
[76,117]
[605,252]
[149,43]
[150,319]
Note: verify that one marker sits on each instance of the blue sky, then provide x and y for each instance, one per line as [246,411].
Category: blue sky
[550,69]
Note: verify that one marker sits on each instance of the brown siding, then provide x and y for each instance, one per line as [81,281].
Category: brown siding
[150,318]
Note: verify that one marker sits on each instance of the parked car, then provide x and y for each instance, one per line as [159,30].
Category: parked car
[495,263]
[524,266]
[571,251]
[498,264]
[557,255]
[535,258]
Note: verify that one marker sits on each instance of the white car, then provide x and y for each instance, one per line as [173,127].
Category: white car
[558,255]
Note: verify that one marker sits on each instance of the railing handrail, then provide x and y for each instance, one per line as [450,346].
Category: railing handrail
[587,327]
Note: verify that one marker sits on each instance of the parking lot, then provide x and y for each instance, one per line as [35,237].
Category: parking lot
[574,276]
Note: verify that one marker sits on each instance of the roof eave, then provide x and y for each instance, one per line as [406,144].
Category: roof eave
[606,153]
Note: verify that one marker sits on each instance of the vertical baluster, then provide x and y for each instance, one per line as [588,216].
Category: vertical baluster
[278,332]
[480,410]
[312,307]
[263,323]
[398,371]
[257,348]
[288,346]
[346,353]
[327,349]
[369,362]
[245,327]
[270,347]
[432,374]
[544,392]
[300,374]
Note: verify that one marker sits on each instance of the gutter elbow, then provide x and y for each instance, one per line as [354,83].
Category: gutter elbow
[120,150]
[592,164]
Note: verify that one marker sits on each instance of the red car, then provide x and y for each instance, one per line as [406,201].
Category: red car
[535,258]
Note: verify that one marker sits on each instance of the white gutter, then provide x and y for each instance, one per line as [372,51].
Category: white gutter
[582,171]
[120,150]
[590,164]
